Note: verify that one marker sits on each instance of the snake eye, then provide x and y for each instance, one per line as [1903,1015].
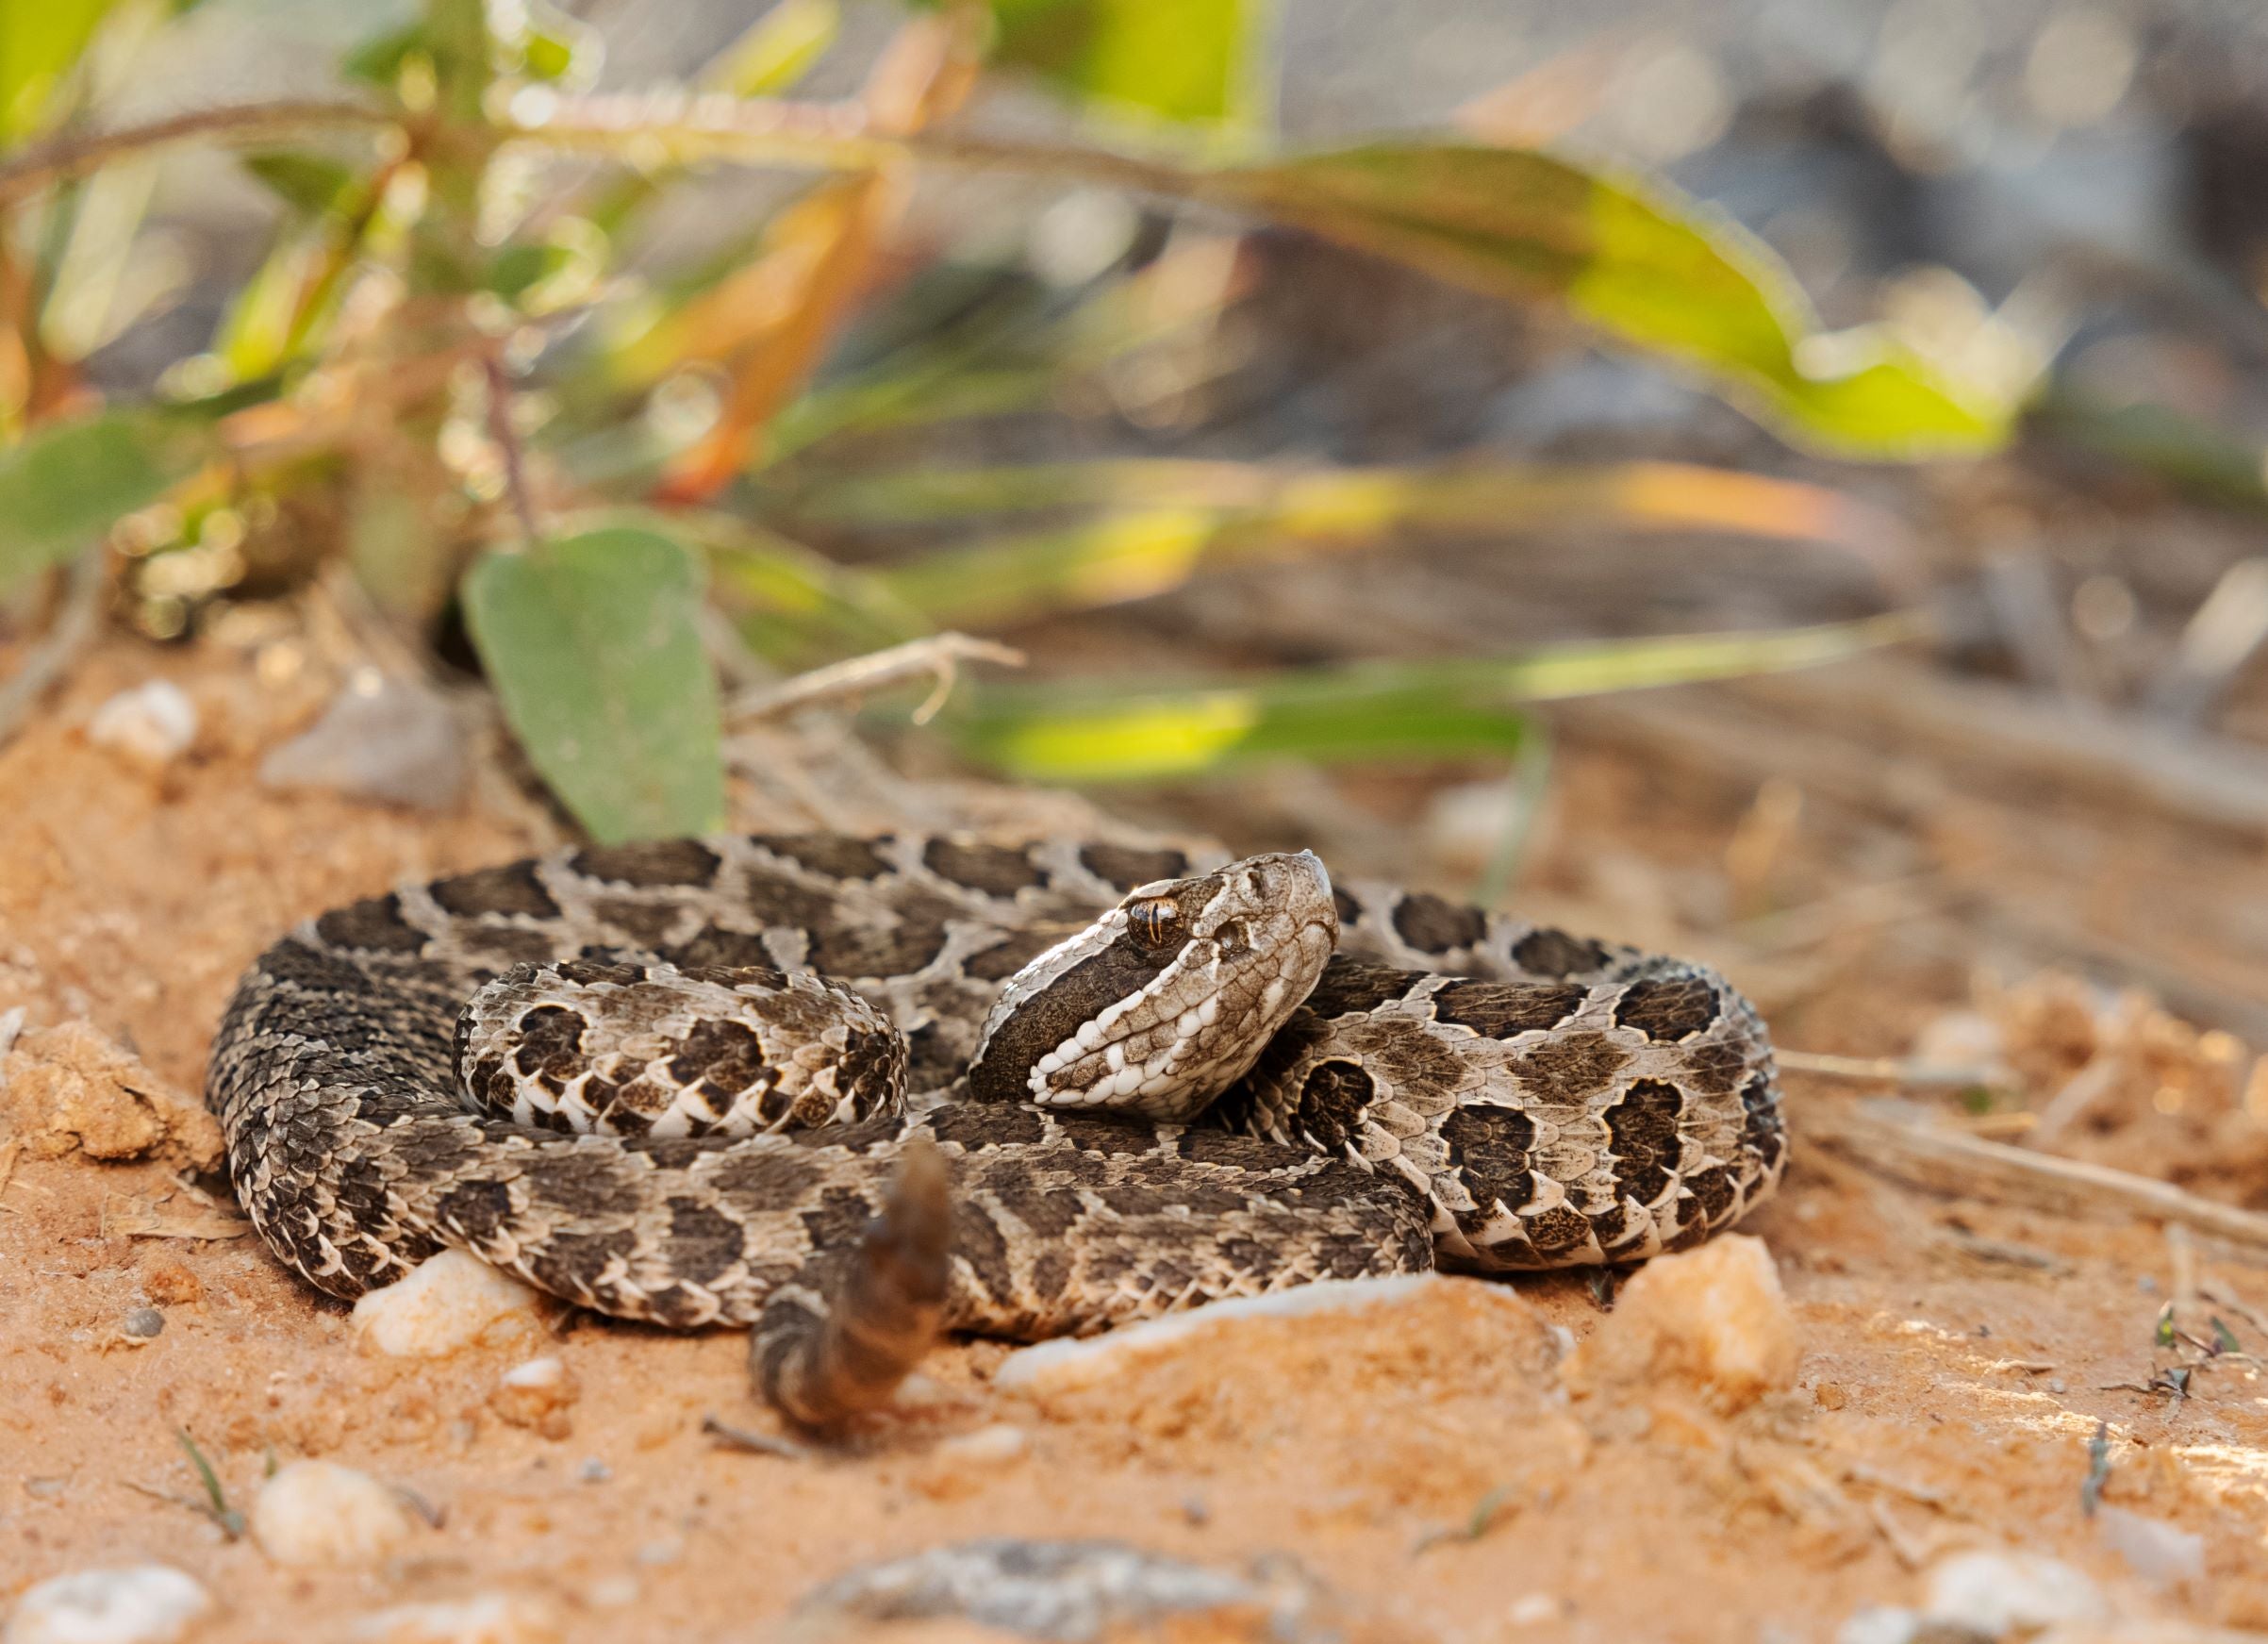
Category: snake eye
[1156,923]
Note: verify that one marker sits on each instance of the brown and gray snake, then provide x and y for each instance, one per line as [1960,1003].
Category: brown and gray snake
[1041,1090]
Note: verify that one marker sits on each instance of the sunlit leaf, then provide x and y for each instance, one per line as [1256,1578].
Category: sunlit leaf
[40,41]
[1175,518]
[68,483]
[1177,60]
[1101,732]
[777,49]
[1637,262]
[593,645]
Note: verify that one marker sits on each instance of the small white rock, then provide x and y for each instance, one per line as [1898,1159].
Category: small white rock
[139,1603]
[1057,1366]
[1879,1625]
[1533,1609]
[2154,1549]
[152,723]
[453,1301]
[537,1373]
[1994,1593]
[485,1618]
[537,1394]
[613,1592]
[999,1442]
[318,1512]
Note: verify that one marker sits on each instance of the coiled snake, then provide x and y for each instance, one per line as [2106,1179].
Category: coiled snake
[1041,1090]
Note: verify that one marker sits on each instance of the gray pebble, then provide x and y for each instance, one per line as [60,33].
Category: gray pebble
[141,1325]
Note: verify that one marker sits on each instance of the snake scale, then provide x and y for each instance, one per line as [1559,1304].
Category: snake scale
[870,1088]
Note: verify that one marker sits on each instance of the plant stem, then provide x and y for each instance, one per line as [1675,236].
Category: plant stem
[66,158]
[507,443]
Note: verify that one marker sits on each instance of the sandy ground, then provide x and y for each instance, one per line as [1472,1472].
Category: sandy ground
[1958,1355]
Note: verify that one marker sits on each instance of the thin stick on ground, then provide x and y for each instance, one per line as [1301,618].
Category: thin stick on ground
[74,629]
[938,656]
[1947,1161]
[1889,1070]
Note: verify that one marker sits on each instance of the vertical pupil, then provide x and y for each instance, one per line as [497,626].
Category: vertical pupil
[1151,920]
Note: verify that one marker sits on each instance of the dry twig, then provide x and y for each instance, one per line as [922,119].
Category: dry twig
[939,656]
[1946,1161]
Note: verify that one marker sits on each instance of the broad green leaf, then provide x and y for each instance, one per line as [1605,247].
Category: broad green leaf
[1639,262]
[67,483]
[1175,518]
[1364,711]
[1189,60]
[593,645]
[40,41]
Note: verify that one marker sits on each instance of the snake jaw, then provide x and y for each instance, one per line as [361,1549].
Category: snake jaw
[1154,1014]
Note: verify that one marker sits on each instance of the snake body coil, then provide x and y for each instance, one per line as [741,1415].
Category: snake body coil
[1448,1082]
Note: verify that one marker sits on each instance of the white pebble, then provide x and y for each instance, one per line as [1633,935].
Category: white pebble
[139,1603]
[152,723]
[1533,1609]
[548,1372]
[988,1445]
[2154,1549]
[1880,1624]
[613,1592]
[485,1618]
[318,1512]
[1062,1366]
[453,1301]
[1993,1593]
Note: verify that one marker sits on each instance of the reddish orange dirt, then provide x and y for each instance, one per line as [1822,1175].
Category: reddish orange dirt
[1957,1353]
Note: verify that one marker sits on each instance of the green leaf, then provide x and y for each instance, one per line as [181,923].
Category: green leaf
[1058,732]
[777,50]
[1640,263]
[1188,60]
[379,60]
[40,41]
[2193,455]
[308,183]
[593,645]
[69,482]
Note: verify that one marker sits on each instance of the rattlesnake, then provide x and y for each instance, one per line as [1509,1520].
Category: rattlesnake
[1453,1084]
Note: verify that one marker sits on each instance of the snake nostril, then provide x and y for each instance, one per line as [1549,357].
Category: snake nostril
[1233,938]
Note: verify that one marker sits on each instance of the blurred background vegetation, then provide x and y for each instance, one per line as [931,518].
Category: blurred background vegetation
[634,360]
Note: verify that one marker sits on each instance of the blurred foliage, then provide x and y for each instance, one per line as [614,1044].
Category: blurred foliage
[456,339]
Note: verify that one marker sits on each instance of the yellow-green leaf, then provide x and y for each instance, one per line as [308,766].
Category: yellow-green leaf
[1639,262]
[1364,711]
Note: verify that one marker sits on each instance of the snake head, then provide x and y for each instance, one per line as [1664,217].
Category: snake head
[1163,1002]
